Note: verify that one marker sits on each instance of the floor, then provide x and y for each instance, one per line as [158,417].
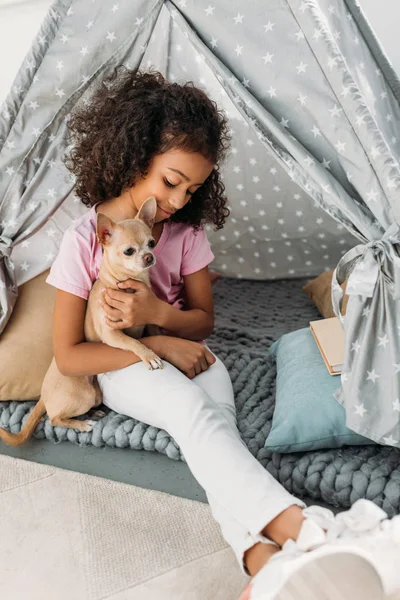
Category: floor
[149,470]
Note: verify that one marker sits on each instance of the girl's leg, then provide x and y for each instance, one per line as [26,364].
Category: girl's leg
[217,384]
[245,496]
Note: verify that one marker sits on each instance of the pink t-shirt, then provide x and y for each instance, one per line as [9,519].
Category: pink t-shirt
[179,251]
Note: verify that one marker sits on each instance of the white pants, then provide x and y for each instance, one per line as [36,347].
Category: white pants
[200,415]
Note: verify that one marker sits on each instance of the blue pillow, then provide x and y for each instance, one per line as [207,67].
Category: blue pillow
[306,415]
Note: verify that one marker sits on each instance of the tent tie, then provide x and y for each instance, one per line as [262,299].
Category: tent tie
[370,259]
[6,245]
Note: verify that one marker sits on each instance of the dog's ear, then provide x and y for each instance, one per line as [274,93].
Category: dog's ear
[104,229]
[147,212]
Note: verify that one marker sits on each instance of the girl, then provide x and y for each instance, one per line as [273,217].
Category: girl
[142,136]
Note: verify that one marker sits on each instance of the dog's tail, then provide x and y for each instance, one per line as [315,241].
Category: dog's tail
[18,439]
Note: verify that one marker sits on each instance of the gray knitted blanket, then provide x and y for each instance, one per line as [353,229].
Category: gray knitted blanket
[250,315]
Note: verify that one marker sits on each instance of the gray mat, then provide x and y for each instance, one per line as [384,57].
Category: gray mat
[249,316]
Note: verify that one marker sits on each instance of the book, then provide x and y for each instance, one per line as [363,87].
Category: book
[329,336]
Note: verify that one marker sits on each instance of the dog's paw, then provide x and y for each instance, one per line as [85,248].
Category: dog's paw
[151,360]
[88,425]
[98,414]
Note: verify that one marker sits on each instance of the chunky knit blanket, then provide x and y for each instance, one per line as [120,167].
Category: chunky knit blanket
[250,315]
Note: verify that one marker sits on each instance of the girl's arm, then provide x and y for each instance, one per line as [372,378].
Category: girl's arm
[196,323]
[143,307]
[74,356]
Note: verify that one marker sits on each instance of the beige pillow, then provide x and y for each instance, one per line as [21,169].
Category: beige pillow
[319,291]
[26,345]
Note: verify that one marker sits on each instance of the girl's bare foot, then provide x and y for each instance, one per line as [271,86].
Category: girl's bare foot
[285,526]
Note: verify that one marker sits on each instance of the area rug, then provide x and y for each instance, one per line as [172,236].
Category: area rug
[67,535]
[250,315]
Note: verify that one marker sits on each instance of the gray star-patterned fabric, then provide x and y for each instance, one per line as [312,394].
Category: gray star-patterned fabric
[314,109]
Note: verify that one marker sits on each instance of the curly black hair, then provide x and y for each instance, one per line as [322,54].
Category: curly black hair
[135,115]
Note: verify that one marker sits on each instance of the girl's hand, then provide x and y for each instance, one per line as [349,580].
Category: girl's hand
[124,310]
[189,357]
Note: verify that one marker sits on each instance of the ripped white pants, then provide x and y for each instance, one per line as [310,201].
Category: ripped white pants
[200,415]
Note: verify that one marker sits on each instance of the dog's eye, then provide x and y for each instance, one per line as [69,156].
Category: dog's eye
[152,244]
[129,251]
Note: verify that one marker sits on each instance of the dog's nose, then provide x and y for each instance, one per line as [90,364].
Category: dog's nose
[148,259]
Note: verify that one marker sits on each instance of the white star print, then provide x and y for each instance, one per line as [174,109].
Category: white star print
[210,10]
[355,346]
[25,266]
[326,163]
[383,341]
[51,232]
[335,111]
[317,34]
[10,170]
[284,122]
[268,58]
[331,63]
[83,51]
[372,196]
[269,26]
[111,35]
[214,42]
[372,376]
[340,146]
[36,131]
[115,8]
[396,405]
[302,99]
[60,65]
[272,92]
[299,35]
[64,38]
[238,50]
[33,105]
[59,93]
[375,152]
[359,409]
[315,131]
[397,367]
[366,311]
[89,25]
[345,91]
[238,18]
[51,192]
[301,68]
[390,440]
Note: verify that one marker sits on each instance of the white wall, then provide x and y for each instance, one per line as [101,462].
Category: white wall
[21,19]
[384,17]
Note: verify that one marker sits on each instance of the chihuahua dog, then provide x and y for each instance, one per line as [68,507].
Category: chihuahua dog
[127,254]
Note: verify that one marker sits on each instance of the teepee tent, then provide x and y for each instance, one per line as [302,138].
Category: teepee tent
[313,177]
